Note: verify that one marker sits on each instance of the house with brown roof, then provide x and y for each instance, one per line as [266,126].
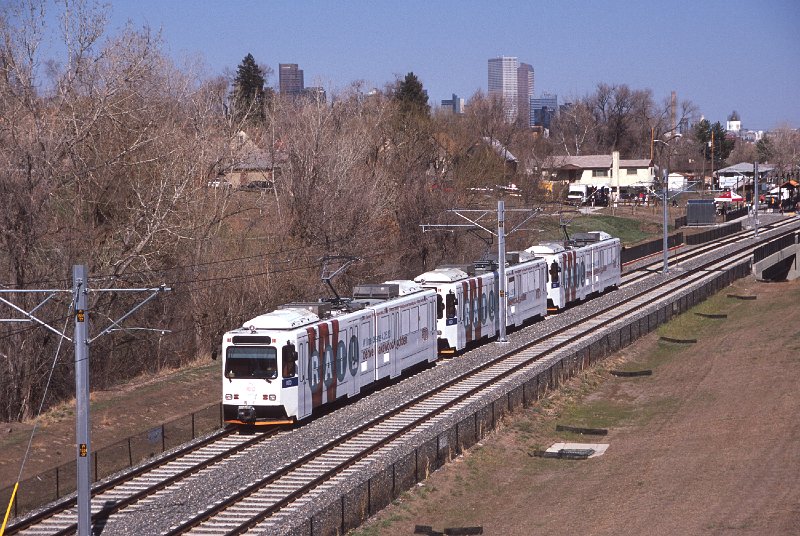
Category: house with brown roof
[253,165]
[606,169]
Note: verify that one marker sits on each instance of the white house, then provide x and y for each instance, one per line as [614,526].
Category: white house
[607,169]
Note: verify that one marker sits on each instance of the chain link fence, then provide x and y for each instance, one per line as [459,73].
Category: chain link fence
[55,483]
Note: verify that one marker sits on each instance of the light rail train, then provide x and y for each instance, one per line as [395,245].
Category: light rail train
[281,366]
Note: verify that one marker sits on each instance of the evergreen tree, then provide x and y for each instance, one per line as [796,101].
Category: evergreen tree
[411,96]
[764,150]
[248,89]
[722,145]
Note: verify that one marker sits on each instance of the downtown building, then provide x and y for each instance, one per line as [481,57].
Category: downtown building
[512,83]
[454,105]
[543,109]
[292,84]
[290,79]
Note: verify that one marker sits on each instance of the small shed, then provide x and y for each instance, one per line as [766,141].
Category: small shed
[700,212]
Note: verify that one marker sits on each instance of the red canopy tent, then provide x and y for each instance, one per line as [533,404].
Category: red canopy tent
[728,197]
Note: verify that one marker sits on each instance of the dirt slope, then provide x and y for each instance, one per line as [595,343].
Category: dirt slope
[706,445]
[115,414]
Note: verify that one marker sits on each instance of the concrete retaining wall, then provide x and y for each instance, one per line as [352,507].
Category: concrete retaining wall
[381,482]
[762,268]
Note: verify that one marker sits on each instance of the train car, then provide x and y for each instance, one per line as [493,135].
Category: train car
[280,366]
[467,298]
[588,264]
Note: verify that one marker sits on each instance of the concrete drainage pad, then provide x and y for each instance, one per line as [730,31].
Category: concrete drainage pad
[598,448]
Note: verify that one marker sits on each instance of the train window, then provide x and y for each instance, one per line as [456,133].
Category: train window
[450,305]
[553,272]
[413,325]
[251,362]
[439,307]
[405,320]
[289,360]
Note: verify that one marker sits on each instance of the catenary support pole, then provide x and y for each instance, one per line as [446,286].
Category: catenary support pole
[755,199]
[82,398]
[666,221]
[501,261]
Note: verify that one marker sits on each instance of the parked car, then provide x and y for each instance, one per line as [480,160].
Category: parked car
[219,183]
[258,185]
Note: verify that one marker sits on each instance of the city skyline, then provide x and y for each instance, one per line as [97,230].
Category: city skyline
[502,84]
[721,55]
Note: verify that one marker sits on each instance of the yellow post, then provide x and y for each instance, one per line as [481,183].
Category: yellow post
[8,510]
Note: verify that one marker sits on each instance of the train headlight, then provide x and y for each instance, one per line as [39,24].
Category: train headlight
[246,414]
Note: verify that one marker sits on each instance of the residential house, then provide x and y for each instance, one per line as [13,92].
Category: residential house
[254,165]
[606,169]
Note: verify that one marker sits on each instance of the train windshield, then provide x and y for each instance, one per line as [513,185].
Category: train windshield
[251,362]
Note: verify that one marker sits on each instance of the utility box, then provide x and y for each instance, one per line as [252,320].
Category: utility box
[700,212]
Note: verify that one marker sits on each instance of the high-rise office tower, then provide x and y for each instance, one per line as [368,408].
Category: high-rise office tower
[543,109]
[524,92]
[503,84]
[454,105]
[290,79]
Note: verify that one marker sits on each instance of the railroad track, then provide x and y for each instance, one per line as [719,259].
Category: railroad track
[676,258]
[265,503]
[143,481]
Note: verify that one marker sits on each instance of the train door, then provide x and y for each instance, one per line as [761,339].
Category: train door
[367,357]
[353,358]
[585,288]
[511,289]
[303,389]
[384,334]
[494,296]
[429,329]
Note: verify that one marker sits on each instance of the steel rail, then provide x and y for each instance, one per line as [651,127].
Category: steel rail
[118,504]
[562,338]
[639,273]
[60,516]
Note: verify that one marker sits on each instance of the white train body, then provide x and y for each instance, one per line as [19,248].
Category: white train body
[282,365]
[576,272]
[468,304]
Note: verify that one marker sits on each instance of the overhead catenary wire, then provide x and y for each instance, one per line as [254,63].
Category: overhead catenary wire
[282,251]
[36,419]
[279,252]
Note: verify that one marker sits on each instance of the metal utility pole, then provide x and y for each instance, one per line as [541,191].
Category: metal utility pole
[501,261]
[82,342]
[82,438]
[755,199]
[665,270]
[475,223]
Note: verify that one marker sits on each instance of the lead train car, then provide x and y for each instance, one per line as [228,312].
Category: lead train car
[589,264]
[468,298]
[282,365]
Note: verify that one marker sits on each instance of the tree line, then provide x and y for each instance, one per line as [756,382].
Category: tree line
[106,159]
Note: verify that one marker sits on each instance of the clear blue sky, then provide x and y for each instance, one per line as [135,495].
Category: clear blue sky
[723,55]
